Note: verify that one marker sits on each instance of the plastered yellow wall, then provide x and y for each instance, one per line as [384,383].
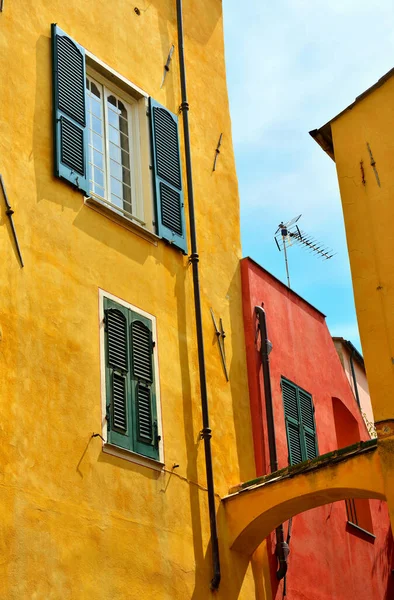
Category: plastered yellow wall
[369,211]
[78,523]
[363,135]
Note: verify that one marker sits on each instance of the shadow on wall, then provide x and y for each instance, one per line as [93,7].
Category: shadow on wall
[233,567]
[240,395]
[48,187]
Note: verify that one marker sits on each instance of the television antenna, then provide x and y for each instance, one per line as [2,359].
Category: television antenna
[289,233]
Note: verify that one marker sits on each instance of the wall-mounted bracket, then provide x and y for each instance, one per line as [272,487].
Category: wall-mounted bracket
[9,212]
[217,152]
[167,65]
[220,336]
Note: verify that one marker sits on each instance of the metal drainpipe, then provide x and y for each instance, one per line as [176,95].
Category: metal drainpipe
[282,548]
[206,433]
[354,378]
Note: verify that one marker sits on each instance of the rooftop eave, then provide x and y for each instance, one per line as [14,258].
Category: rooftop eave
[323,137]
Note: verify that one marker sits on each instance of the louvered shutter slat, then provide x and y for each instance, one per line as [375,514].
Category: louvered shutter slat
[310,444]
[300,423]
[69,111]
[170,214]
[143,387]
[308,423]
[293,436]
[306,410]
[117,374]
[119,403]
[116,326]
[142,351]
[289,393]
[144,412]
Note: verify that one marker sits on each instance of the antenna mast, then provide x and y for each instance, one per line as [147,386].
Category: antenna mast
[289,233]
[286,261]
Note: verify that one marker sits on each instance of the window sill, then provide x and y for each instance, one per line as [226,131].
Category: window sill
[363,533]
[121,220]
[143,461]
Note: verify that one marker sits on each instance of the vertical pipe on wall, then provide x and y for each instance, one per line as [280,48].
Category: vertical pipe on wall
[352,353]
[194,258]
[282,548]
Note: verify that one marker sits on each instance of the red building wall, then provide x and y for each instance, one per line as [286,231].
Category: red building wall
[329,559]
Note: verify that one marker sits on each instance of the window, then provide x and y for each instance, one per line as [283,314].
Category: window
[300,423]
[116,145]
[358,513]
[114,154]
[129,373]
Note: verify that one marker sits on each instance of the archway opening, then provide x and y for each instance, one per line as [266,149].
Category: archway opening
[347,430]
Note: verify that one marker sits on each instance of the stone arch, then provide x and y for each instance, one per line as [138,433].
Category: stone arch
[254,512]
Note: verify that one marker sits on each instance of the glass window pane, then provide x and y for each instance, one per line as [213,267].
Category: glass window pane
[95,89]
[127,197]
[125,159]
[98,176]
[114,152]
[126,176]
[124,142]
[117,201]
[116,169]
[95,106]
[97,141]
[97,125]
[99,190]
[123,126]
[98,159]
[113,118]
[112,100]
[116,187]
[114,135]
[122,109]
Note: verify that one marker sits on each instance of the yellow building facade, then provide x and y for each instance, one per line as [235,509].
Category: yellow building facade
[360,142]
[85,511]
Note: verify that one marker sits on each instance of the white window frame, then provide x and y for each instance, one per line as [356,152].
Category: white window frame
[107,446]
[136,101]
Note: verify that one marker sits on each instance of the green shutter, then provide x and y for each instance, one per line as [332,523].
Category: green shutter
[300,423]
[117,375]
[308,424]
[292,419]
[170,213]
[130,381]
[69,110]
[145,430]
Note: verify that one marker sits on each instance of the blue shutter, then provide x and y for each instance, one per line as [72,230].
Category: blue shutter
[69,110]
[170,213]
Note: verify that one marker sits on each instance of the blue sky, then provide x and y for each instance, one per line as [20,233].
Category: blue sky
[291,66]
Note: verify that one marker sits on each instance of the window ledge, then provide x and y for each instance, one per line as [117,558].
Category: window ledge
[144,461]
[121,220]
[360,530]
